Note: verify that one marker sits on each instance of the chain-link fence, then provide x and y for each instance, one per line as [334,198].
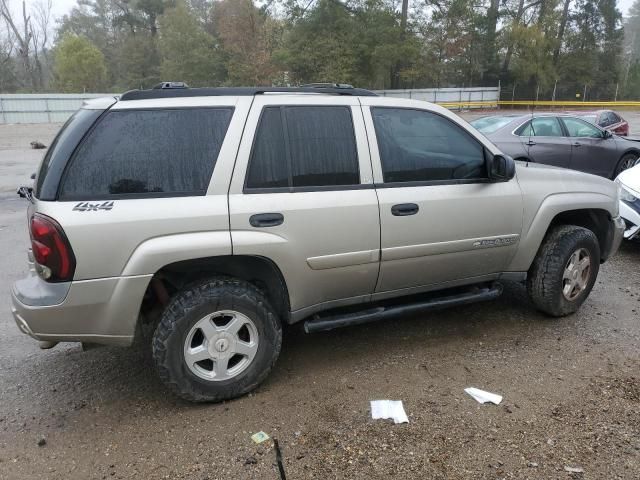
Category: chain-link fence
[562,92]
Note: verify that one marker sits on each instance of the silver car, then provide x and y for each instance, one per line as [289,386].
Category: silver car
[562,141]
[211,218]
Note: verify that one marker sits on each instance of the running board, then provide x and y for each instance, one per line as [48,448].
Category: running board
[477,294]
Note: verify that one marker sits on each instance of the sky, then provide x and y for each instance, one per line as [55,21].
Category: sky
[60,7]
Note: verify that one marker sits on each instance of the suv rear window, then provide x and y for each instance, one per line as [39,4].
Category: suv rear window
[305,146]
[140,153]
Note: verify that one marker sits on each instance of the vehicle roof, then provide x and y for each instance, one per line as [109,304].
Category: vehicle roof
[156,93]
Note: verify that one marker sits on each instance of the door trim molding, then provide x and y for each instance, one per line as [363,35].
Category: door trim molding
[453,246]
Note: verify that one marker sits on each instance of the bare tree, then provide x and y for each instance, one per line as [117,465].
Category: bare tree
[29,36]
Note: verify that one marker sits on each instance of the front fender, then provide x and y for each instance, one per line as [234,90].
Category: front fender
[550,207]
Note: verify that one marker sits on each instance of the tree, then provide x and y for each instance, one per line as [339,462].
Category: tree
[249,37]
[79,65]
[28,32]
[188,53]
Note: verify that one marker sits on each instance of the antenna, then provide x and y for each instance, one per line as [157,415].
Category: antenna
[530,142]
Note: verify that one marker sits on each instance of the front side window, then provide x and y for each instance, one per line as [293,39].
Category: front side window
[541,127]
[148,153]
[580,128]
[302,147]
[418,146]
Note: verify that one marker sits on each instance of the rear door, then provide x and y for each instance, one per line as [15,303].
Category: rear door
[442,221]
[590,151]
[302,195]
[545,141]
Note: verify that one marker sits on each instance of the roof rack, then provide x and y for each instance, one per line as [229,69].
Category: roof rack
[172,92]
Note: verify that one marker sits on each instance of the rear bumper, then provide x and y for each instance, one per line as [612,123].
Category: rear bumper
[97,311]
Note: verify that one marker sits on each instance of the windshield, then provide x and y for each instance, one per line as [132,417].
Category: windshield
[589,118]
[490,124]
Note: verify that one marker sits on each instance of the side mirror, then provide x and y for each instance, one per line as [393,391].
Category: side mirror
[502,168]
[607,134]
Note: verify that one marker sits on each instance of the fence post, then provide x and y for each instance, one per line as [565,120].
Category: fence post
[4,117]
[46,106]
[435,96]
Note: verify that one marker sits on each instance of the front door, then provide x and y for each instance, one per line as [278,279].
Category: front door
[441,220]
[591,152]
[302,195]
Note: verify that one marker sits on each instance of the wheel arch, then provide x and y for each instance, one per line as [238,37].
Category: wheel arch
[172,277]
[590,210]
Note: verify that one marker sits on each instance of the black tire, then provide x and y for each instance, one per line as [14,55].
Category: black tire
[188,307]
[545,279]
[625,162]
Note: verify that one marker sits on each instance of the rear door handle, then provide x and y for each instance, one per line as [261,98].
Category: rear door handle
[531,142]
[262,220]
[404,209]
[576,144]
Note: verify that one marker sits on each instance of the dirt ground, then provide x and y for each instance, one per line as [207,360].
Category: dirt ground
[571,391]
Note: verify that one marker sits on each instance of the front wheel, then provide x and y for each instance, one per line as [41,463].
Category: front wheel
[216,340]
[627,161]
[564,270]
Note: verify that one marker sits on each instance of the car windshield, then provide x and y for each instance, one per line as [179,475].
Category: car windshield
[589,118]
[490,124]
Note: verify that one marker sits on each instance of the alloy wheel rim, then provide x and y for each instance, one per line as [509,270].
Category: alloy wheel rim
[576,274]
[220,346]
[630,162]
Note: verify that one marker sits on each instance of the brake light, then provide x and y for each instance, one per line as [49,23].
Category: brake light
[54,258]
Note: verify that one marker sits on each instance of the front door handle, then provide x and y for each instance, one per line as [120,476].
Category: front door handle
[404,209]
[262,220]
[576,144]
[530,142]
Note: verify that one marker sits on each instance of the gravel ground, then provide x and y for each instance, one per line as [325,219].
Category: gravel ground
[571,391]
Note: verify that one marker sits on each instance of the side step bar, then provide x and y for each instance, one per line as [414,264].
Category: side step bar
[320,324]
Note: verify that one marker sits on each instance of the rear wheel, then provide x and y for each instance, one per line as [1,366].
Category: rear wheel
[628,160]
[564,270]
[217,340]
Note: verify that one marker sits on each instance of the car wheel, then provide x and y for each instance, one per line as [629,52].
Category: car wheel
[217,340]
[628,160]
[564,270]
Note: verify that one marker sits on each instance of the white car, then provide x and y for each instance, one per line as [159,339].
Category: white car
[629,182]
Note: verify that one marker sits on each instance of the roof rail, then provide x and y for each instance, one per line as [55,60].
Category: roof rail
[173,92]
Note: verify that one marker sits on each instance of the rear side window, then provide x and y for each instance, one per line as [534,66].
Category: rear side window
[419,146]
[304,147]
[148,153]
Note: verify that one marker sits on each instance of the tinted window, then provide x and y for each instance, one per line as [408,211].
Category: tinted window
[541,127]
[422,146]
[605,120]
[61,149]
[148,152]
[613,118]
[580,128]
[268,167]
[304,147]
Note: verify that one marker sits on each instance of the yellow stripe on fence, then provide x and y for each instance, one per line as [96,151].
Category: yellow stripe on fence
[539,103]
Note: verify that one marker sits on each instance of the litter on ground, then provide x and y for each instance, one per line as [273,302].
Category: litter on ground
[389,409]
[483,397]
[259,437]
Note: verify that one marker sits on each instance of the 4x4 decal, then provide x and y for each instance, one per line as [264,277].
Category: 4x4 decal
[92,207]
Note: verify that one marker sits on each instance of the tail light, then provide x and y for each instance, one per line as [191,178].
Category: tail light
[54,258]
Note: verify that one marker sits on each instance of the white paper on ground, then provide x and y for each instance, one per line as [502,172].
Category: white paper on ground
[389,409]
[484,397]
